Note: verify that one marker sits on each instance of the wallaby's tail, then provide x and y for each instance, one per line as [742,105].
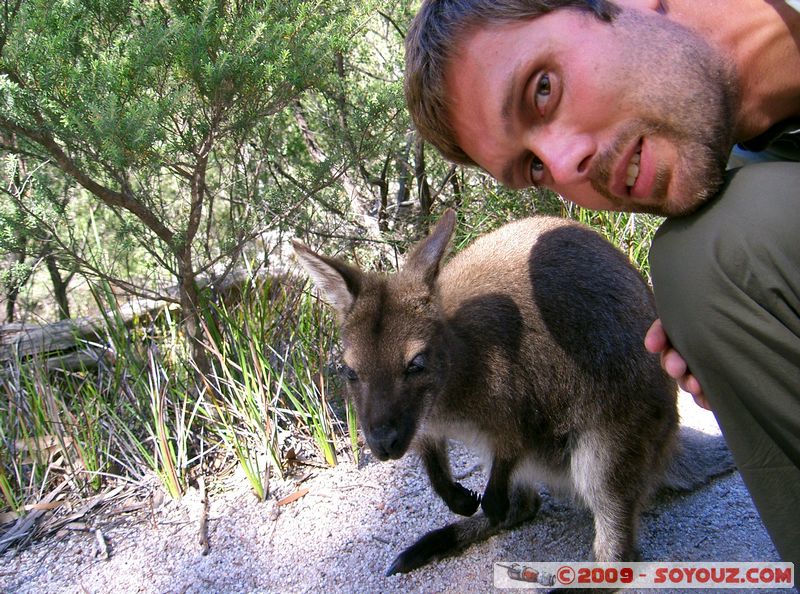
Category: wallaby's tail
[698,458]
[455,537]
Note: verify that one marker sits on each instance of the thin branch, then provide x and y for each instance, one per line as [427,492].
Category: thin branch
[394,24]
[107,195]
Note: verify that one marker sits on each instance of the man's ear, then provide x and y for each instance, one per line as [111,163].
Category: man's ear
[337,281]
[426,257]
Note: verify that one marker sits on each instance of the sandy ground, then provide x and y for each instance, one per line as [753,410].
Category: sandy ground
[345,531]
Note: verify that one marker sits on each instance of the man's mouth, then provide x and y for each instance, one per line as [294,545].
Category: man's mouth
[632,171]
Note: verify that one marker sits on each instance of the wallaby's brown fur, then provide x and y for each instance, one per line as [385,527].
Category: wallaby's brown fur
[527,345]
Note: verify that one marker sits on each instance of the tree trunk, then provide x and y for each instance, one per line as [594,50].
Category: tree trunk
[383,187]
[456,184]
[423,188]
[12,287]
[190,310]
[59,286]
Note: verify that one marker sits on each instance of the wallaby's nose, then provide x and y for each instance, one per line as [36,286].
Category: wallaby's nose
[384,441]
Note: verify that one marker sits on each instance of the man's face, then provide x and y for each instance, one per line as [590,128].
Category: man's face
[634,115]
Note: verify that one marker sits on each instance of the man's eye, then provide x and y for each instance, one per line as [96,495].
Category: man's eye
[537,169]
[543,90]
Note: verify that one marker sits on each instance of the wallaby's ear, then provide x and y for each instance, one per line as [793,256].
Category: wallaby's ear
[426,257]
[339,282]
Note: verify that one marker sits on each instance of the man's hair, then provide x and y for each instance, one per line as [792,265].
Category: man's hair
[433,38]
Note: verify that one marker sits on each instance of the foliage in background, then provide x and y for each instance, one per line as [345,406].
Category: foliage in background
[154,110]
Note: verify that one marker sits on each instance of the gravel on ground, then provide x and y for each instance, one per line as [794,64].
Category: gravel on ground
[348,523]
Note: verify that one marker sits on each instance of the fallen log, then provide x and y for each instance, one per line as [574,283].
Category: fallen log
[69,344]
[81,343]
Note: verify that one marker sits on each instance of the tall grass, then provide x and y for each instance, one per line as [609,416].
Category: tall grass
[145,409]
[270,355]
[48,437]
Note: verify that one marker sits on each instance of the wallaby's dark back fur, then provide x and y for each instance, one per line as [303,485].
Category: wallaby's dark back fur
[528,345]
[553,318]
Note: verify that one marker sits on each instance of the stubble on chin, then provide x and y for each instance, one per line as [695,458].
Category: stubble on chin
[695,189]
[673,195]
[680,189]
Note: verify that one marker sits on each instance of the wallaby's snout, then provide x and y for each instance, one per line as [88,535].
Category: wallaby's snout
[388,441]
[392,377]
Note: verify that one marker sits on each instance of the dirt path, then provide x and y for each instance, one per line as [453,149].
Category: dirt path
[343,533]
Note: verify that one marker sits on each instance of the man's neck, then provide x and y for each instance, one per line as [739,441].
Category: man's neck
[762,37]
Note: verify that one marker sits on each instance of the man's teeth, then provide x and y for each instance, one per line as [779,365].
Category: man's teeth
[633,170]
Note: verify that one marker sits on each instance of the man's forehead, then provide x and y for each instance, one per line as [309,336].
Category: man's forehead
[482,84]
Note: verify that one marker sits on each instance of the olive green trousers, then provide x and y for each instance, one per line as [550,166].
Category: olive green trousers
[727,286]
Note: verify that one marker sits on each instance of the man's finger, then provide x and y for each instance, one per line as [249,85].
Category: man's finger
[656,340]
[673,364]
[701,401]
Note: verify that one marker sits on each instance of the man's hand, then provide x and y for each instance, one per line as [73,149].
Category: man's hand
[657,341]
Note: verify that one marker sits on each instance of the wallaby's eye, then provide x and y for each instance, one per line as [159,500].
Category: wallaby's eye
[348,373]
[417,364]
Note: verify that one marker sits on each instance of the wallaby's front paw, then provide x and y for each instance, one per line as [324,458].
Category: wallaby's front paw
[495,506]
[462,501]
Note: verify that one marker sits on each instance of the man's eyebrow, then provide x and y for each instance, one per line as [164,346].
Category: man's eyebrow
[510,97]
[507,175]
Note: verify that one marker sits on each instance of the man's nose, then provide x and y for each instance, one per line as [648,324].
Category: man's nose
[566,156]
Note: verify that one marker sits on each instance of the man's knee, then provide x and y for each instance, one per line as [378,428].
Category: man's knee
[740,247]
[726,277]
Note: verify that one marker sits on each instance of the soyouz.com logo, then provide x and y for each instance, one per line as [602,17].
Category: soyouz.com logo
[667,575]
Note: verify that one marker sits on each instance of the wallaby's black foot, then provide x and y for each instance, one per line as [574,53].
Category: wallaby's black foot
[462,501]
[457,536]
[428,548]
[495,505]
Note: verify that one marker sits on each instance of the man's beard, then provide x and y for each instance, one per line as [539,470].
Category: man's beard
[701,168]
[684,92]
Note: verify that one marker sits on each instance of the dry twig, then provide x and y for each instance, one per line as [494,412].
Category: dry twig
[293,497]
[102,546]
[203,515]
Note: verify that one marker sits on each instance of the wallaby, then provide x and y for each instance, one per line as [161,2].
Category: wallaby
[527,345]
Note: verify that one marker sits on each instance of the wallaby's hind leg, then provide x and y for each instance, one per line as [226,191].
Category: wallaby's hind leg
[495,502]
[458,498]
[614,489]
[615,530]
[615,537]
[453,538]
[615,525]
